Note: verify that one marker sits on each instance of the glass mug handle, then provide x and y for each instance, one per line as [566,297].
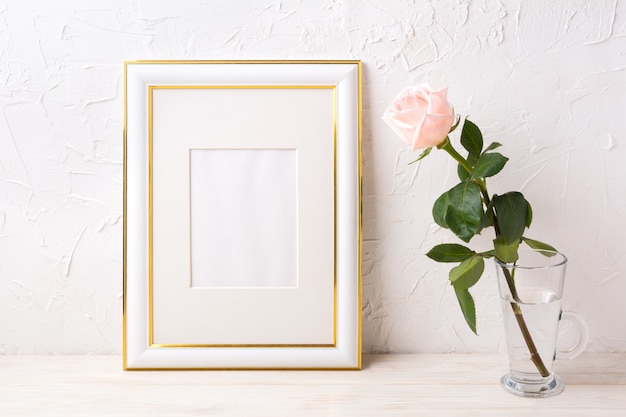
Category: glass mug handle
[583,336]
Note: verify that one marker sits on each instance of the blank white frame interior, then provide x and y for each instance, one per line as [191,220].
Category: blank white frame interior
[243,207]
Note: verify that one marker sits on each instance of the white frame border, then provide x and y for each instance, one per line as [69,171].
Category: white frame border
[346,76]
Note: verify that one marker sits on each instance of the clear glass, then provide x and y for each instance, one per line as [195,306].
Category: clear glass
[531,291]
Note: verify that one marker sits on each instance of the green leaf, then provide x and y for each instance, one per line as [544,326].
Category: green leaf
[488,254]
[506,251]
[544,248]
[467,307]
[487,219]
[493,146]
[440,208]
[529,215]
[472,138]
[422,155]
[472,141]
[450,252]
[465,210]
[456,123]
[467,273]
[489,164]
[512,216]
[462,172]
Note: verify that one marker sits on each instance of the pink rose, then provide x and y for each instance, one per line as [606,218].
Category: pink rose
[420,116]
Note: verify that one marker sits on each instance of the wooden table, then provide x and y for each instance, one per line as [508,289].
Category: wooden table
[388,385]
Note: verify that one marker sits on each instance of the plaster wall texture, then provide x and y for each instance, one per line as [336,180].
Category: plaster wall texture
[546,79]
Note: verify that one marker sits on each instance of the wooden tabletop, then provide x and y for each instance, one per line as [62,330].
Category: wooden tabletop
[388,385]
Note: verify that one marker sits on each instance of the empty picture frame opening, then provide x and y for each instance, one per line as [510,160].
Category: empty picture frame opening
[243,217]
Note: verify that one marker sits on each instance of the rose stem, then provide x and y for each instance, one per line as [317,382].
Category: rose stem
[517,311]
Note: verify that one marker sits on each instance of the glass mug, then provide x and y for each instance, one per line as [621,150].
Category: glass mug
[530,293]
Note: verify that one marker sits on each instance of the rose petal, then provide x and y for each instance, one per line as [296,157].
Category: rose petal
[420,116]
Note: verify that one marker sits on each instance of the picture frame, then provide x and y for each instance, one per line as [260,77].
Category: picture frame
[242,215]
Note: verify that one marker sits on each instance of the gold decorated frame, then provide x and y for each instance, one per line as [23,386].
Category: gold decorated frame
[142,126]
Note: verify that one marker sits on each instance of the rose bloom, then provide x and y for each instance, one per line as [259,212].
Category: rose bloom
[420,116]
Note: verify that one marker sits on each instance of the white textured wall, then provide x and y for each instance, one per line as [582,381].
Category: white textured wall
[546,79]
